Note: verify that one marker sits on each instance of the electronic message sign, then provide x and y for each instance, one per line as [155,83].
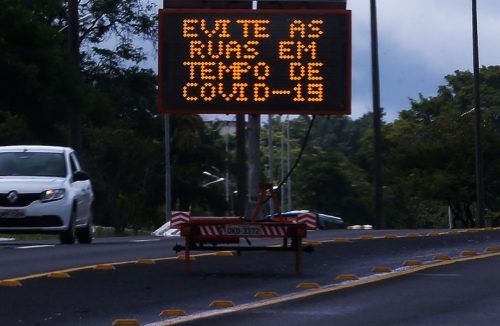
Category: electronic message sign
[240,61]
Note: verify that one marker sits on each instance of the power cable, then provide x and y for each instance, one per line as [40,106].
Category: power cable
[297,160]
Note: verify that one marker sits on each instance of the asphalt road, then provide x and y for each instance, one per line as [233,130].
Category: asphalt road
[142,291]
[466,293]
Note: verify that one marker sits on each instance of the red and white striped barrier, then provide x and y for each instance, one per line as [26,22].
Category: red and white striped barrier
[309,219]
[212,230]
[178,218]
[274,230]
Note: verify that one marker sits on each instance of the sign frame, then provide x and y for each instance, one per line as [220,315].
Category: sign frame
[164,106]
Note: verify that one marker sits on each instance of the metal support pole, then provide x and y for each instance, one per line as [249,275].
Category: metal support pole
[168,177]
[241,159]
[226,176]
[288,166]
[282,161]
[377,116]
[477,129]
[270,147]
[254,165]
[74,49]
[298,256]
[187,255]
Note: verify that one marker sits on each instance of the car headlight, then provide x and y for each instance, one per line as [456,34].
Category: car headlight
[52,194]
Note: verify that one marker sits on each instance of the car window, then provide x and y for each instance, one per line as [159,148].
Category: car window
[74,163]
[32,164]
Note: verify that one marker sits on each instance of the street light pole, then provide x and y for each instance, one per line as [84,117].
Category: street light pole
[377,137]
[477,129]
[74,49]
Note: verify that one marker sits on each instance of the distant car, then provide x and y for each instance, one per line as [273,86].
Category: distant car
[44,190]
[330,222]
[324,221]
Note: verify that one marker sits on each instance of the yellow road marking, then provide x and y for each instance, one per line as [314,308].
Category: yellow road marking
[88,267]
[313,292]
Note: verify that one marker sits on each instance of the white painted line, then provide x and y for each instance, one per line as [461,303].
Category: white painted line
[146,240]
[7,239]
[38,246]
[439,275]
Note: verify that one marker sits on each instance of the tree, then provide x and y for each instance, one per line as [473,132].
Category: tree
[196,148]
[326,179]
[36,67]
[127,176]
[110,30]
[430,148]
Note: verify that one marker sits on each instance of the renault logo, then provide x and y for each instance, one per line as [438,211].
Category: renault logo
[12,196]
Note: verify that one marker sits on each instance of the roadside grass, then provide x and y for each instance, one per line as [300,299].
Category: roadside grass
[100,232]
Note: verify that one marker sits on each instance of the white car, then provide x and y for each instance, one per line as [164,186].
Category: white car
[44,190]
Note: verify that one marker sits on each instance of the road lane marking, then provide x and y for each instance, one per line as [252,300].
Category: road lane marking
[439,274]
[35,246]
[146,240]
[314,292]
[92,267]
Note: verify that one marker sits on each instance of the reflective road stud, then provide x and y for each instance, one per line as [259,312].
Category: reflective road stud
[381,269]
[221,304]
[265,295]
[347,277]
[308,285]
[59,275]
[104,267]
[172,313]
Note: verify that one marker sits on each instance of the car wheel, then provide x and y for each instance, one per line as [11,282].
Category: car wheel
[69,236]
[86,234]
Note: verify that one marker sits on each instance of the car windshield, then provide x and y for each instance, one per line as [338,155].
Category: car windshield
[39,164]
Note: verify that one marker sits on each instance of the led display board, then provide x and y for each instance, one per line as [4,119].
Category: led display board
[240,61]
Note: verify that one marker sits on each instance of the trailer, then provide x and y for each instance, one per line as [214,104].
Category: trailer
[226,233]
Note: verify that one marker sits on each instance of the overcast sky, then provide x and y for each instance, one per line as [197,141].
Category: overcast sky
[420,41]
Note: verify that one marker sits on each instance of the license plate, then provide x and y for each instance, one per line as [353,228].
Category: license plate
[12,213]
[244,230]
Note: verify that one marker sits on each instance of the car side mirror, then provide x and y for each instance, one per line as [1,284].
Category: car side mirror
[80,176]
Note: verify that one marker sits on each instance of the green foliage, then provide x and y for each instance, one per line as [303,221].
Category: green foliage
[126,171]
[195,149]
[109,34]
[328,183]
[39,80]
[13,129]
[430,150]
[326,179]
